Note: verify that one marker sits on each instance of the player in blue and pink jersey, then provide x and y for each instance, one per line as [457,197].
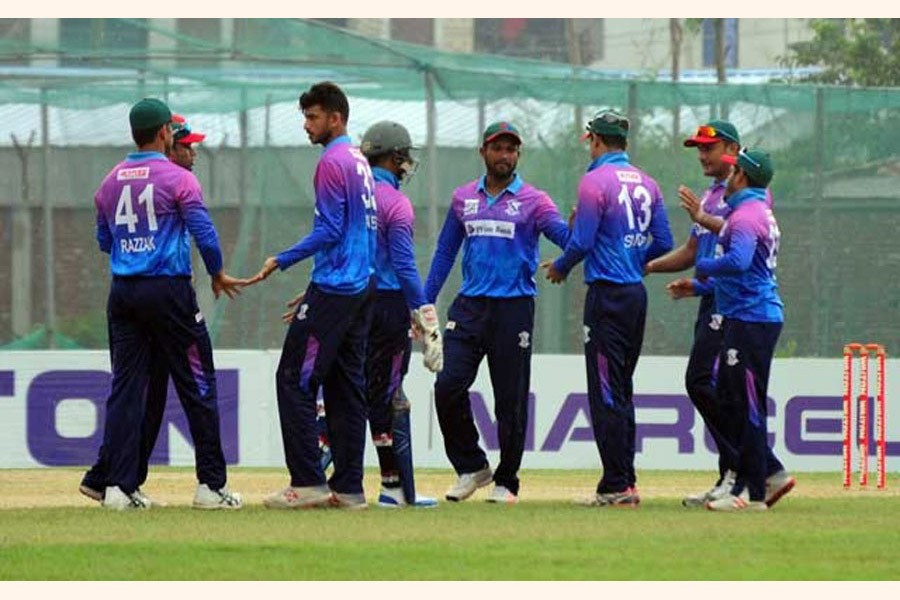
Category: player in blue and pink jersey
[93,483]
[148,208]
[713,141]
[746,295]
[498,219]
[387,146]
[620,224]
[326,342]
[399,293]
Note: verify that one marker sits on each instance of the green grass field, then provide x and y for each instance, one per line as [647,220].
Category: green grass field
[818,532]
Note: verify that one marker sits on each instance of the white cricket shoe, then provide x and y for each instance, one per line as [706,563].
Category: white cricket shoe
[394,498]
[222,498]
[114,498]
[777,485]
[467,483]
[732,503]
[299,497]
[722,489]
[501,495]
[348,501]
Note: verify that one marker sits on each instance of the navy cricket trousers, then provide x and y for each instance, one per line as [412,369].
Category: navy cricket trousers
[701,375]
[744,363]
[159,317]
[501,329]
[614,319]
[157,395]
[388,353]
[701,381]
[325,345]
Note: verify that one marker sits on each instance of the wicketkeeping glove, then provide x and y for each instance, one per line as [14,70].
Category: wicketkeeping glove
[425,319]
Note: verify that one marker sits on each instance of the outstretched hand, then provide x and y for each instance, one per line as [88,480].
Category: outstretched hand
[680,288]
[552,274]
[223,282]
[268,267]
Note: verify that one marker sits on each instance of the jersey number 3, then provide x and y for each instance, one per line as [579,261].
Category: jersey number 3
[125,214]
[640,194]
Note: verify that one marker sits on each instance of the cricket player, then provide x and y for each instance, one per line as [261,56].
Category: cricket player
[713,140]
[325,344]
[498,219]
[387,146]
[93,484]
[620,223]
[746,295]
[399,294]
[147,207]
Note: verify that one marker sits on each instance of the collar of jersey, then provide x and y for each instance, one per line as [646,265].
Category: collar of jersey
[610,158]
[745,195]
[341,139]
[385,176]
[135,156]
[513,188]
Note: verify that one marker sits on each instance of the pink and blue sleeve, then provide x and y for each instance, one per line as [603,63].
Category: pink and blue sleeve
[659,229]
[400,231]
[451,238]
[328,226]
[738,257]
[584,229]
[190,203]
[104,235]
[551,223]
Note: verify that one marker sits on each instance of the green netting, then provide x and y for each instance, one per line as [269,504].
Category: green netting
[837,184]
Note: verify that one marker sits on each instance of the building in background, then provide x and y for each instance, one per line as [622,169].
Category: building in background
[639,46]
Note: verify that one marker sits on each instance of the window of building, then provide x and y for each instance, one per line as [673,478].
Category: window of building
[731,42]
[415,31]
[14,35]
[526,38]
[103,41]
[589,34]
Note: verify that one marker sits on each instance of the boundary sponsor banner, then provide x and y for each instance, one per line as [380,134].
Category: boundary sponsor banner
[52,407]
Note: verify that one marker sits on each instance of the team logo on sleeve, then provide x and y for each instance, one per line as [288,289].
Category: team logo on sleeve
[512,207]
[524,340]
[470,206]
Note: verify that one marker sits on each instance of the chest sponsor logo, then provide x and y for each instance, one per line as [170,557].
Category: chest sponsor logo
[512,207]
[491,228]
[134,173]
[628,176]
[470,206]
